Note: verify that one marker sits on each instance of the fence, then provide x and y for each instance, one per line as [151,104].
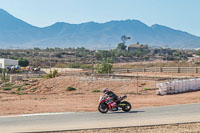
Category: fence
[160,69]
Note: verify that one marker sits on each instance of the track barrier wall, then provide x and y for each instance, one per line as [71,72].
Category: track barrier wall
[178,86]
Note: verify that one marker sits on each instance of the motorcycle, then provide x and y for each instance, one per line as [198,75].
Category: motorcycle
[107,104]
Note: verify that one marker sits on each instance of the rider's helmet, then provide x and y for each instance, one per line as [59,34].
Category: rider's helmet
[105,90]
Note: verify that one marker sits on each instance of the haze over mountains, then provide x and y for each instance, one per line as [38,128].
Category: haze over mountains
[15,33]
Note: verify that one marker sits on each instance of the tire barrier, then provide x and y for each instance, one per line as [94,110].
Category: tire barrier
[178,86]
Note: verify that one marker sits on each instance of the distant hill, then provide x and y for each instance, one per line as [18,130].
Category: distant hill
[15,33]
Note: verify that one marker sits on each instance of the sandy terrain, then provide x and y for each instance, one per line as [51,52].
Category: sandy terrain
[50,95]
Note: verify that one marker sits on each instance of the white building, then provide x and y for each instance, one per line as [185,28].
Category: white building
[7,62]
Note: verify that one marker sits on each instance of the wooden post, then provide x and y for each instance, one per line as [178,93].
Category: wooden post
[161,69]
[3,74]
[127,71]
[155,78]
[137,84]
[179,70]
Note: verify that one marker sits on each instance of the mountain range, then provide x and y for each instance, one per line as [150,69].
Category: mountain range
[15,33]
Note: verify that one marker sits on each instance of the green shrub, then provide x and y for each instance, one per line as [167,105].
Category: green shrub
[51,74]
[55,73]
[7,88]
[48,76]
[61,65]
[79,65]
[20,89]
[26,84]
[33,89]
[103,68]
[23,62]
[96,91]
[12,92]
[8,85]
[70,88]
[146,89]
[86,66]
[21,93]
[74,65]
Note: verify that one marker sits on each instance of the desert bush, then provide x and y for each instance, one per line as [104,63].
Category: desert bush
[20,89]
[96,91]
[7,88]
[74,65]
[86,66]
[8,85]
[51,74]
[21,93]
[61,65]
[146,89]
[26,84]
[55,73]
[48,76]
[33,89]
[79,65]
[70,88]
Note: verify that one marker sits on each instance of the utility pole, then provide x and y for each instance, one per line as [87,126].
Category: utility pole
[137,84]
[50,60]
[166,54]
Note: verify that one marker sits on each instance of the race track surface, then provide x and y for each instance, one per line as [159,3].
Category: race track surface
[87,120]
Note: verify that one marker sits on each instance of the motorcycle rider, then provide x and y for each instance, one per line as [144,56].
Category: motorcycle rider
[111,94]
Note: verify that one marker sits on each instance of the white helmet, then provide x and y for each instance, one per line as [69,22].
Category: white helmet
[105,90]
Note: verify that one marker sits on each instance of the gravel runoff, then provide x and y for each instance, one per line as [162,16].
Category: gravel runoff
[172,128]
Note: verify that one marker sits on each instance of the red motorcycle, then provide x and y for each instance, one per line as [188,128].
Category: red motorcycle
[107,104]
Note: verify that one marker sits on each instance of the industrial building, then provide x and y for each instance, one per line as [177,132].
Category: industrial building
[7,62]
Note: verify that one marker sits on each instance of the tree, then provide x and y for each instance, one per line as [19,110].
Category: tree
[121,46]
[103,68]
[197,52]
[23,62]
[37,49]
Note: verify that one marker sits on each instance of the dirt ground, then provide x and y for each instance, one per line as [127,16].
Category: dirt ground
[175,128]
[50,95]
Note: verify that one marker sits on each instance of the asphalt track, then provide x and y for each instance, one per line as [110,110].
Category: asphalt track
[88,120]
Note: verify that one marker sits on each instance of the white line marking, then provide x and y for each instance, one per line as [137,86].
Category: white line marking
[38,114]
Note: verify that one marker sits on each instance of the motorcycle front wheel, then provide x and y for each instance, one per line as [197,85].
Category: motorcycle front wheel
[103,108]
[126,106]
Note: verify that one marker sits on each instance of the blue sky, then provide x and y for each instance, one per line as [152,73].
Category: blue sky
[178,14]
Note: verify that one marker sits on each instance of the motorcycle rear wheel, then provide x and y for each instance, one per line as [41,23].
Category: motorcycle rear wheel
[126,107]
[103,108]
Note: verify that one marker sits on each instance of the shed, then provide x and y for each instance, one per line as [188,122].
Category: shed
[7,62]
[134,47]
